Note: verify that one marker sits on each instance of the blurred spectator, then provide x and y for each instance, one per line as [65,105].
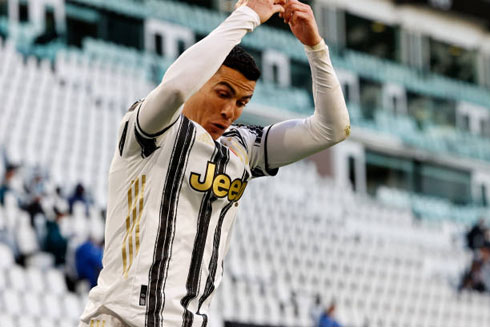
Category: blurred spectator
[60,204]
[78,196]
[484,257]
[473,279]
[327,319]
[478,276]
[476,236]
[35,184]
[88,261]
[317,308]
[55,243]
[5,183]
[33,208]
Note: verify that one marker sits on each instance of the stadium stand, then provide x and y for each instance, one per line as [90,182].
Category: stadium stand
[371,258]
[381,266]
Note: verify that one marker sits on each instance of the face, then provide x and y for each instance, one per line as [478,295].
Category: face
[220,101]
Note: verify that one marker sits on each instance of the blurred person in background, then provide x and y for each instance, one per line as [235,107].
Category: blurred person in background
[78,195]
[55,243]
[327,319]
[6,181]
[181,167]
[475,238]
[88,261]
[473,278]
[316,309]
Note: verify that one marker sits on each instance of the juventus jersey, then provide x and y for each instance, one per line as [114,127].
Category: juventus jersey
[173,199]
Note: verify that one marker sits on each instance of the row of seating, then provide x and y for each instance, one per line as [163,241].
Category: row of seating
[108,65]
[73,113]
[431,208]
[202,21]
[381,272]
[429,84]
[312,239]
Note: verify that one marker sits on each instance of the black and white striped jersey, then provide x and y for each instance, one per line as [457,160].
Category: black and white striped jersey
[172,203]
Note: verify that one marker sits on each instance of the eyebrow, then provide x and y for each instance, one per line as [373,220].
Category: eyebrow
[228,85]
[232,89]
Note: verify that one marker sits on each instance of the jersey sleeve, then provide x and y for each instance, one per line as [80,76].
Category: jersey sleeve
[253,139]
[133,141]
[296,139]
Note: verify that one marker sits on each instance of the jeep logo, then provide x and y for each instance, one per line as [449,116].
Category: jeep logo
[221,184]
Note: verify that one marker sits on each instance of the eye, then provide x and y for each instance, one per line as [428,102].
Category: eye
[242,103]
[223,94]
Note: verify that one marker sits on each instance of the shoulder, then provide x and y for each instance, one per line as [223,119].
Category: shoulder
[132,140]
[255,130]
[248,135]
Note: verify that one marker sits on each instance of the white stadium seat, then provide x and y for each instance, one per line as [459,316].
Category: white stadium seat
[6,255]
[17,278]
[47,322]
[35,279]
[71,306]
[26,321]
[52,306]
[12,302]
[32,305]
[7,320]
[55,281]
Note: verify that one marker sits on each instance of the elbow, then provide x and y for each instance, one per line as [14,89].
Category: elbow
[333,131]
[171,95]
[340,135]
[343,125]
[344,130]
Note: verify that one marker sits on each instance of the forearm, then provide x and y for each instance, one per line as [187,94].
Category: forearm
[294,140]
[193,69]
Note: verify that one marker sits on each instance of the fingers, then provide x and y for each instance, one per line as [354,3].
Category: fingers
[293,8]
[298,16]
[278,9]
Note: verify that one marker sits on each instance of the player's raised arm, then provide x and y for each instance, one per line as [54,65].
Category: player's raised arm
[294,140]
[200,62]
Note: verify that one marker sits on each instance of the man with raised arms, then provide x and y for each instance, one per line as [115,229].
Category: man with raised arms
[181,167]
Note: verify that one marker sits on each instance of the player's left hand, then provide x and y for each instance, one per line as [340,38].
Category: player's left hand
[302,22]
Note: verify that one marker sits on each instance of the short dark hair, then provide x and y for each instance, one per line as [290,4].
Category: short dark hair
[241,60]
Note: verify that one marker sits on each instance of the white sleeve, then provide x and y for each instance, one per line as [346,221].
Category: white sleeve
[192,70]
[293,140]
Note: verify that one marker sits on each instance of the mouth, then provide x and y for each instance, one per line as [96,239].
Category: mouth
[219,126]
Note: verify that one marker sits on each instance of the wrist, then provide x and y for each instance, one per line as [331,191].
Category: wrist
[250,12]
[316,45]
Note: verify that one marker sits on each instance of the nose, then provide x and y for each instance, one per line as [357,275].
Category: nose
[228,111]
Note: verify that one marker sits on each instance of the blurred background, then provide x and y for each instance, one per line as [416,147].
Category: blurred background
[387,229]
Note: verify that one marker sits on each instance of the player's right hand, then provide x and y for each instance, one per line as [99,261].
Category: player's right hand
[264,8]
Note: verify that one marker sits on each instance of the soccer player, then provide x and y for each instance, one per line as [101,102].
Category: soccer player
[181,167]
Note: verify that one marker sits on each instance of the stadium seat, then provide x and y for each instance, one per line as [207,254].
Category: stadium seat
[6,255]
[26,236]
[55,281]
[35,279]
[51,306]
[12,302]
[7,320]
[41,260]
[47,322]
[72,308]
[17,278]
[32,304]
